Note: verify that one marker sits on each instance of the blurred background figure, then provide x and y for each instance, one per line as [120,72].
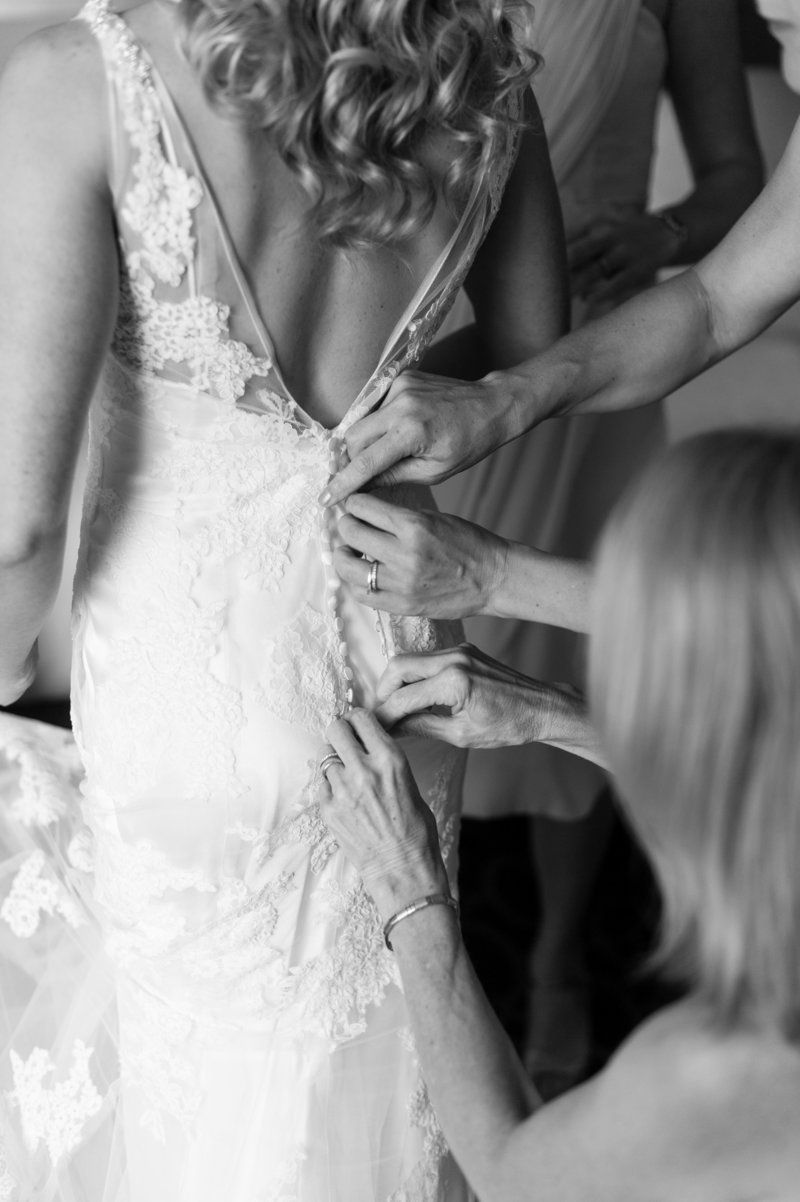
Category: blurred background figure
[697,588]
[606,63]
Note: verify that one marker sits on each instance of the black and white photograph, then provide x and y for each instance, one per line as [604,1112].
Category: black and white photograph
[399,601]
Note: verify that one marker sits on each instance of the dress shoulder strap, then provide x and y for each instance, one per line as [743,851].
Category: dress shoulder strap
[154,194]
[126,66]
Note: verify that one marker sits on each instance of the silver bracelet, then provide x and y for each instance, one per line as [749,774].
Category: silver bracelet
[433,899]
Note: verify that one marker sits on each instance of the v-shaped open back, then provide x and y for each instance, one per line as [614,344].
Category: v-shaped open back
[235,1026]
[181,262]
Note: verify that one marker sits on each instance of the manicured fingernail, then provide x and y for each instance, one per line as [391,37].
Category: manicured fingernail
[325,497]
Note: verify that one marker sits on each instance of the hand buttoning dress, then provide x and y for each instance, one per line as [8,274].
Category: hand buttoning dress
[197,1001]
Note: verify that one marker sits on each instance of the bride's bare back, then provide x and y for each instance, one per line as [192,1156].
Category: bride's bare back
[329,311]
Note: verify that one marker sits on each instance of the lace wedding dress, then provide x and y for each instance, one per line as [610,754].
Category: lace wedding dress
[197,1001]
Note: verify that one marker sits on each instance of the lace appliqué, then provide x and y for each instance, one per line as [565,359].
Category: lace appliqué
[425,1182]
[158,209]
[48,775]
[305,682]
[156,1058]
[265,473]
[308,827]
[336,988]
[422,330]
[54,1115]
[166,670]
[32,894]
[500,168]
[138,887]
[159,206]
[152,333]
[236,956]
[281,1185]
[8,1182]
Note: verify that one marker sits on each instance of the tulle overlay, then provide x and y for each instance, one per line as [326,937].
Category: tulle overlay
[197,1001]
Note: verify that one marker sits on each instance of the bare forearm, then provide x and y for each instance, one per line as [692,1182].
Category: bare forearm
[28,586]
[538,587]
[639,353]
[556,714]
[476,1083]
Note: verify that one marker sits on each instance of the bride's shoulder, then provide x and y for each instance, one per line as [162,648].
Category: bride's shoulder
[59,55]
[52,91]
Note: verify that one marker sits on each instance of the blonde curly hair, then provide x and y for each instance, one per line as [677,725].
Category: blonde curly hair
[351,90]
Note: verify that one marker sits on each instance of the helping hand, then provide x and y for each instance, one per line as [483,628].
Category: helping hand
[428,563]
[467,699]
[372,806]
[427,429]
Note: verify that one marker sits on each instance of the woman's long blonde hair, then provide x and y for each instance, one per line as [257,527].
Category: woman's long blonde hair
[695,690]
[351,90]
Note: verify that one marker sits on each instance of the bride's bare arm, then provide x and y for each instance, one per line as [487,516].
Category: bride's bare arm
[57,305]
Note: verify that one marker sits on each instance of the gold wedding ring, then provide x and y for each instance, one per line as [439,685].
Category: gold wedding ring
[372,578]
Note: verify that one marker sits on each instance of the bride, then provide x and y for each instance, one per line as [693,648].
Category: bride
[234,224]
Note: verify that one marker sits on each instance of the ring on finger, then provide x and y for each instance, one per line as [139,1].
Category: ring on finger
[327,760]
[372,578]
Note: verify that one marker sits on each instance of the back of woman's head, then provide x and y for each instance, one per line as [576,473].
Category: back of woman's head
[695,689]
[352,90]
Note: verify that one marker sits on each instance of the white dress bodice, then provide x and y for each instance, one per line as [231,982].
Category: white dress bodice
[245,1035]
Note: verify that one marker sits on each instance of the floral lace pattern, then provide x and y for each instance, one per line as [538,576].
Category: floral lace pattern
[162,670]
[158,207]
[46,775]
[139,887]
[307,827]
[265,473]
[305,682]
[335,989]
[237,952]
[425,1182]
[33,894]
[8,1182]
[155,1060]
[281,1184]
[54,1115]
[152,333]
[229,946]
